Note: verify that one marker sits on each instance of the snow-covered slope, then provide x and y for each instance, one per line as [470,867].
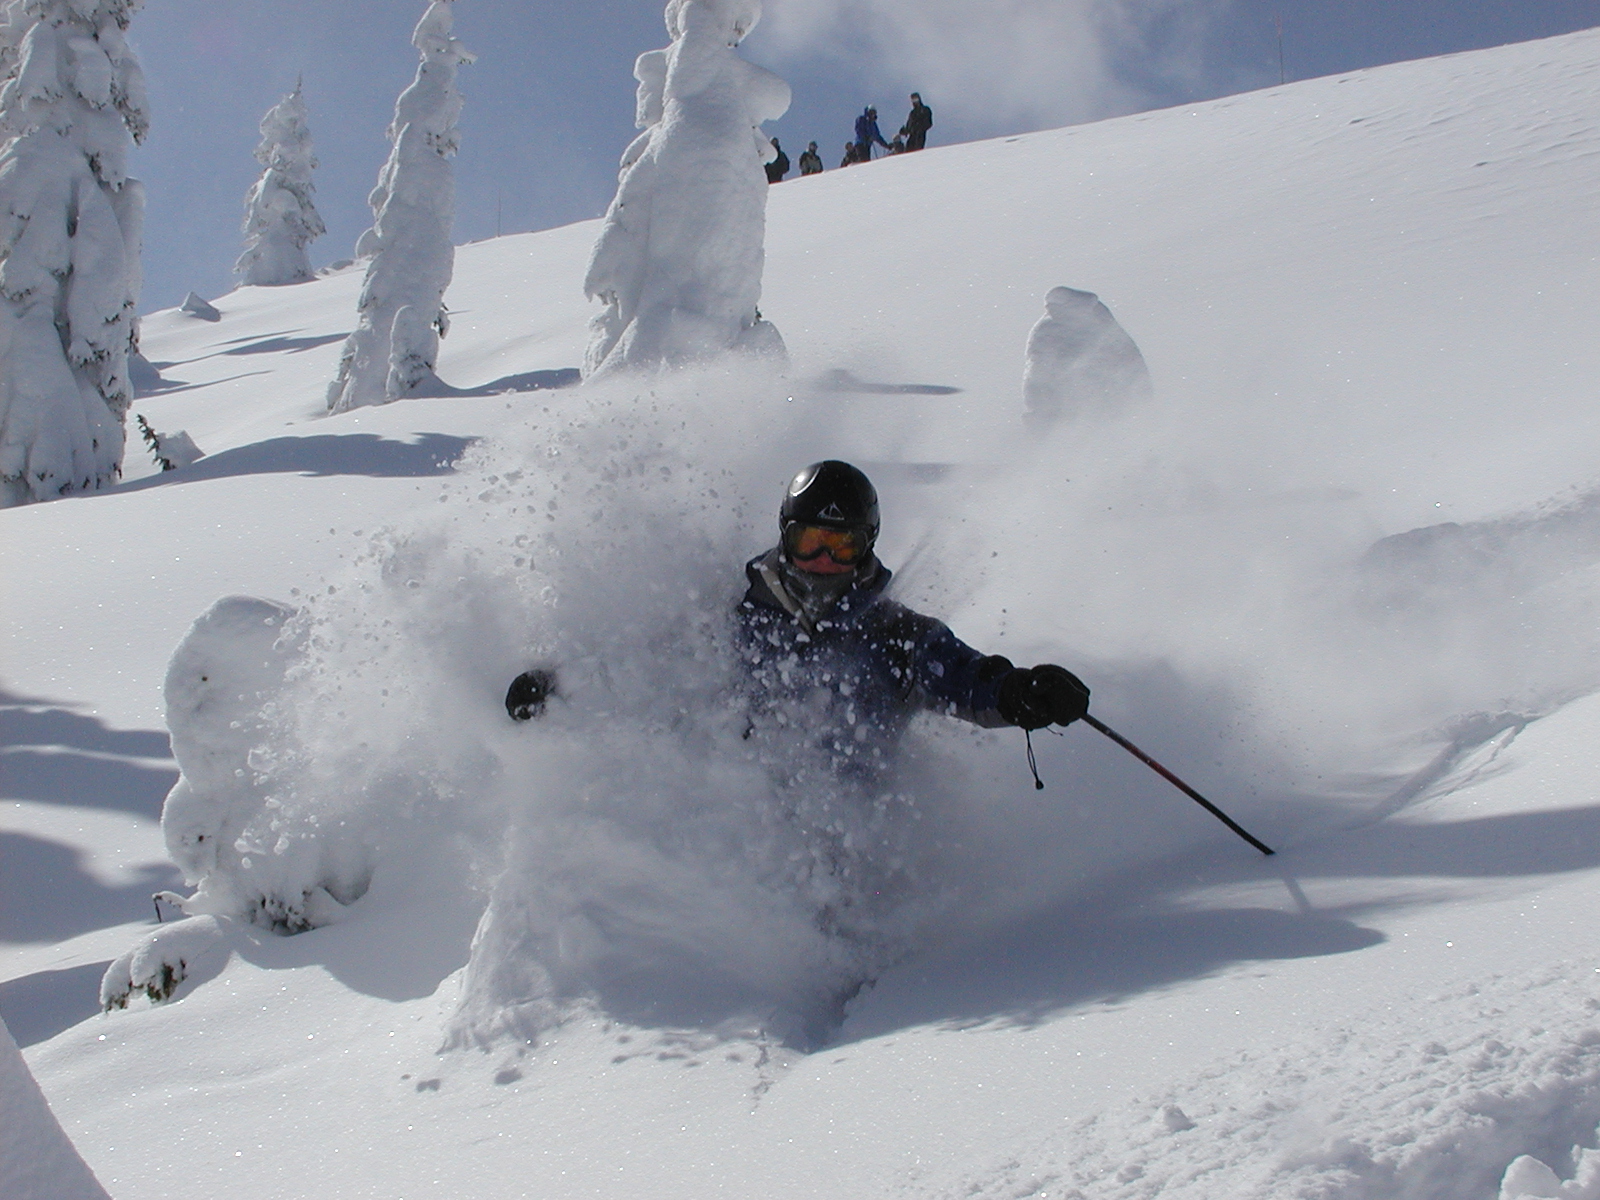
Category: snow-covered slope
[1340,571]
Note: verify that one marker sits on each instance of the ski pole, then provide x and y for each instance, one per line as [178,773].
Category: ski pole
[1176,782]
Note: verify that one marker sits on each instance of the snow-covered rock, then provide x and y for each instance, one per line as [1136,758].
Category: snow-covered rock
[196,305]
[679,261]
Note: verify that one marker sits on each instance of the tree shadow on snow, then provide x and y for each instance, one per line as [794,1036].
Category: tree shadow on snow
[324,454]
[53,755]
[281,344]
[527,381]
[47,896]
[37,1007]
[842,382]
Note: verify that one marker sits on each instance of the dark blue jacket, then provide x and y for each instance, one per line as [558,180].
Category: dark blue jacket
[853,679]
[867,132]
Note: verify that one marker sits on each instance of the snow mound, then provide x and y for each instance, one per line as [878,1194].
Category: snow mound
[37,1161]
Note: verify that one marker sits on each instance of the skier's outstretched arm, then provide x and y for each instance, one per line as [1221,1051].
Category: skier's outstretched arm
[989,690]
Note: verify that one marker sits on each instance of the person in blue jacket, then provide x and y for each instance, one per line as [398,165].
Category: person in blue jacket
[867,133]
[829,653]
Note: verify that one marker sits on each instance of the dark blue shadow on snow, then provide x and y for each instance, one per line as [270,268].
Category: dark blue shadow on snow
[284,345]
[844,382]
[87,781]
[527,381]
[1041,965]
[37,1007]
[323,454]
[47,896]
[52,755]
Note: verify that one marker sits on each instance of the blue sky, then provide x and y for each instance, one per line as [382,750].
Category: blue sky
[549,103]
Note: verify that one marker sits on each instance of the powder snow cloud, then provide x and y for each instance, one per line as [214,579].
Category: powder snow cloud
[1011,63]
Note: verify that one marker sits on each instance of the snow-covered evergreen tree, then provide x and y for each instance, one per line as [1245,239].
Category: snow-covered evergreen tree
[678,264]
[280,220]
[401,316]
[70,221]
[1080,361]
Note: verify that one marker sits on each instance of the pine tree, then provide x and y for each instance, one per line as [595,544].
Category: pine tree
[69,243]
[401,315]
[280,219]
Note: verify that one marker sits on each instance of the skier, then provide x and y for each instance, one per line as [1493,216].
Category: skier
[867,132]
[917,124]
[827,652]
[811,161]
[851,156]
[779,166]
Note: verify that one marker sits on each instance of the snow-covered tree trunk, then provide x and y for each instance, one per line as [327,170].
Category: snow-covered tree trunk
[70,221]
[280,219]
[401,316]
[679,260]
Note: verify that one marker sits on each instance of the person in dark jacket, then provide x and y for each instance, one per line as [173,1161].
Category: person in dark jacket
[850,159]
[830,655]
[868,133]
[917,124]
[779,166]
[811,161]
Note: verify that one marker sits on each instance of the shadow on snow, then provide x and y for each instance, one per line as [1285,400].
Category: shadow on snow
[323,454]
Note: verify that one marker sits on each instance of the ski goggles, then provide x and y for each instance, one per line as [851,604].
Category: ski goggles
[803,543]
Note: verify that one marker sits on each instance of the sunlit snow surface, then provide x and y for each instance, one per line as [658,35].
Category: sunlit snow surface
[1339,572]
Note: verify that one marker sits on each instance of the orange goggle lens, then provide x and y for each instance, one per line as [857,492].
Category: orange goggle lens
[806,542]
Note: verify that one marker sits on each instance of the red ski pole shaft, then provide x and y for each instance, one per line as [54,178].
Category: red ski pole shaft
[1177,783]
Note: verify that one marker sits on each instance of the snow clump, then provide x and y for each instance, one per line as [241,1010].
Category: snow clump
[679,260]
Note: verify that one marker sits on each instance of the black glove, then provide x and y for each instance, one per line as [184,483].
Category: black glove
[1043,695]
[528,693]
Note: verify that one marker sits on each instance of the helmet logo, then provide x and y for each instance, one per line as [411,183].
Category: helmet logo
[831,513]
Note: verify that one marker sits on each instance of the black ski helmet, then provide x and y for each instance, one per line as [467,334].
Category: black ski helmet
[834,495]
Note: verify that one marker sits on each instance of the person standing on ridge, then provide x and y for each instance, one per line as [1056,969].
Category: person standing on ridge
[867,132]
[779,166]
[811,161]
[850,158]
[918,123]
